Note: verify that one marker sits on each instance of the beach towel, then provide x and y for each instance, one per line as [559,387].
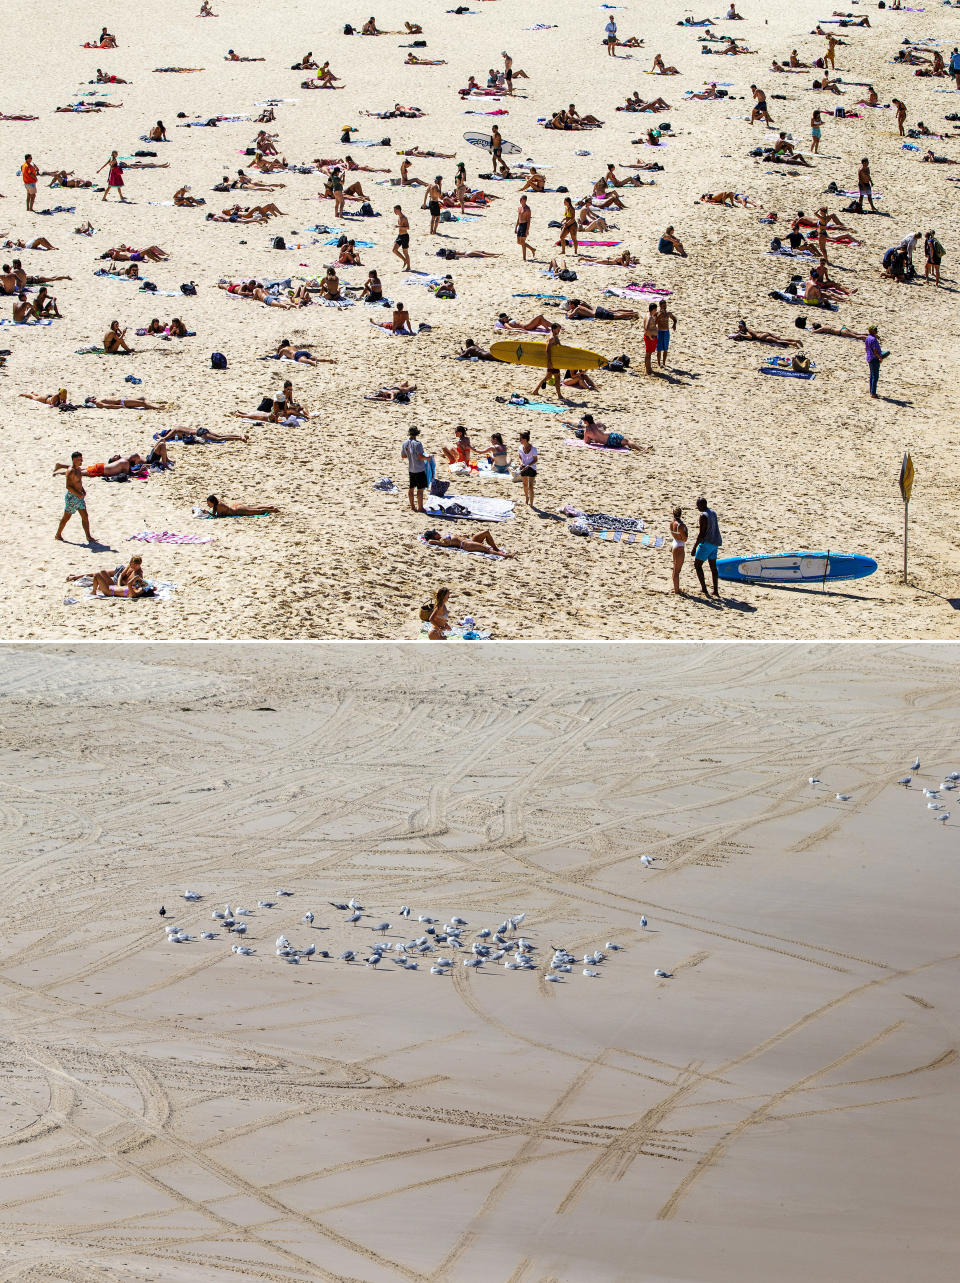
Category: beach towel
[482,473]
[202,515]
[479,508]
[386,485]
[604,243]
[786,374]
[544,407]
[163,589]
[561,298]
[589,445]
[6,320]
[167,536]
[456,633]
[637,291]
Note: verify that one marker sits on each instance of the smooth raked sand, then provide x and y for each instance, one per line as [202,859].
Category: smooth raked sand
[784,1107]
[787,464]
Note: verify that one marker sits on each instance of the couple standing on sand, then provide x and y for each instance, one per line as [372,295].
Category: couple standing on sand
[705,548]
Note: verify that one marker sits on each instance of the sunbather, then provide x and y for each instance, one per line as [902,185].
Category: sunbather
[217,508]
[745,334]
[483,542]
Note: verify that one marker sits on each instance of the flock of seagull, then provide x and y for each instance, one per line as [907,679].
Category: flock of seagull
[932,795]
[439,944]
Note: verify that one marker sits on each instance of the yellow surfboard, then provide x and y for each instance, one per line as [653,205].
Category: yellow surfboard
[522,351]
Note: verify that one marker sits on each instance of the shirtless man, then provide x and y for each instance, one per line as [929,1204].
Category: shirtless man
[534,182]
[552,371]
[649,337]
[865,186]
[432,200]
[596,434]
[401,246]
[75,500]
[760,111]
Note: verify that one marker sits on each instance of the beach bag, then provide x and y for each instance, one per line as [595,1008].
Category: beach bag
[840,113]
[279,243]
[348,30]
[366,210]
[566,274]
[149,286]
[188,288]
[218,361]
[446,216]
[419,44]
[426,610]
[439,488]
[776,244]
[578,528]
[265,406]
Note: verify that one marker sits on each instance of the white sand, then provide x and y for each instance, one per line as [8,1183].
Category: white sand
[784,1107]
[787,464]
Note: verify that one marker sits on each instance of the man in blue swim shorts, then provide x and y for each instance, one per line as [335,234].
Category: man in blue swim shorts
[664,319]
[707,546]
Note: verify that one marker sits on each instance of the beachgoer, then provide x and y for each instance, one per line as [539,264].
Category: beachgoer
[678,549]
[874,355]
[29,172]
[412,450]
[528,455]
[401,246]
[707,545]
[75,499]
[664,318]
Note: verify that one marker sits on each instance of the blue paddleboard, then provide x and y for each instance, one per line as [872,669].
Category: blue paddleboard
[795,567]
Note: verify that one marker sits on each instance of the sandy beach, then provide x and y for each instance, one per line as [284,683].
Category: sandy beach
[782,1104]
[786,463]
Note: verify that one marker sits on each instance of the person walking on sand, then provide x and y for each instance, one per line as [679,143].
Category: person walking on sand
[874,356]
[680,535]
[114,176]
[401,246]
[664,317]
[816,129]
[708,543]
[75,500]
[29,172]
[524,215]
[955,66]
[431,199]
[865,186]
[528,454]
[760,111]
[830,57]
[553,370]
[650,330]
[412,451]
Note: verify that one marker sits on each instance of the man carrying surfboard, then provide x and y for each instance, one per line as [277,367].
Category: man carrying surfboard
[708,543]
[552,372]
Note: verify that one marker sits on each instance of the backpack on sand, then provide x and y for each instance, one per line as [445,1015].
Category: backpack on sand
[218,361]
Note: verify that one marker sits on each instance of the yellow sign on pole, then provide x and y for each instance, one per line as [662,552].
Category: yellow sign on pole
[907,473]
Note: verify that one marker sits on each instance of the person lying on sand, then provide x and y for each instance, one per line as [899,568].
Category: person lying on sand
[538,324]
[745,334]
[230,56]
[117,466]
[594,433]
[105,78]
[482,542]
[191,436]
[412,60]
[119,575]
[55,399]
[126,254]
[38,242]
[929,158]
[119,403]
[467,253]
[842,332]
[729,199]
[217,508]
[413,28]
[62,178]
[103,586]
[579,311]
[246,214]
[397,392]
[473,352]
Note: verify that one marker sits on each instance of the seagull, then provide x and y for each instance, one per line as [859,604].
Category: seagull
[814,779]
[281,892]
[208,935]
[647,860]
[218,914]
[916,765]
[243,913]
[338,906]
[473,962]
[382,927]
[615,948]
[227,911]
[485,934]
[283,942]
[163,912]
[512,966]
[355,916]
[240,929]
[309,951]
[347,956]
[243,949]
[459,922]
[373,959]
[438,971]
[588,972]
[663,975]
[192,895]
[354,904]
[844,797]
[942,817]
[551,976]
[515,921]
[308,918]
[404,911]
[931,792]
[424,917]
[643,920]
[266,904]
[934,806]
[292,958]
[906,781]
